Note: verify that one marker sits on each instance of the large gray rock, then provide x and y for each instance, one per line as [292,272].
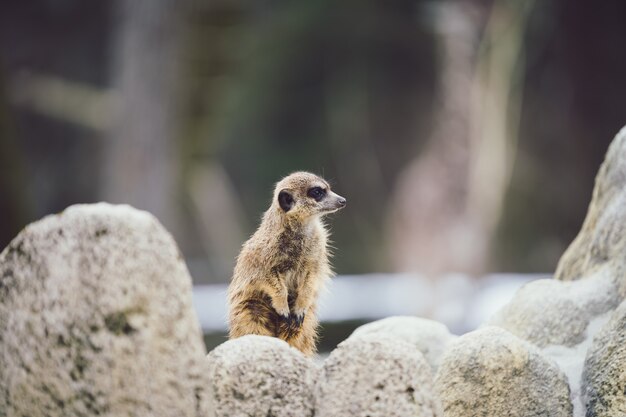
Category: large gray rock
[490,372]
[428,336]
[558,312]
[260,376]
[602,239]
[604,373]
[551,312]
[96,319]
[376,377]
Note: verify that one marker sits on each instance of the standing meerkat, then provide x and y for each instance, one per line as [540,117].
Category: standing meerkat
[282,267]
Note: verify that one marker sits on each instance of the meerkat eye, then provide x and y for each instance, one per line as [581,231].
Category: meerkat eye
[317,193]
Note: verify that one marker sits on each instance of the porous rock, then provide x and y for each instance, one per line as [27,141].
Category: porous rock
[602,238]
[260,376]
[490,372]
[376,377]
[551,312]
[557,312]
[428,336]
[604,372]
[96,319]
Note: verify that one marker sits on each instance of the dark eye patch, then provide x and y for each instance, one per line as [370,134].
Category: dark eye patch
[316,193]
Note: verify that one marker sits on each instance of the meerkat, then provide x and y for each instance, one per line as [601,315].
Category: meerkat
[282,267]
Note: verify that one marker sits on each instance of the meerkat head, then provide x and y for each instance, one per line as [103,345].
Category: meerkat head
[303,195]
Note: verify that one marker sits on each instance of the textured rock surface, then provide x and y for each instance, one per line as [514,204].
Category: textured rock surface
[96,319]
[260,376]
[604,374]
[428,336]
[602,239]
[376,377]
[490,372]
[550,312]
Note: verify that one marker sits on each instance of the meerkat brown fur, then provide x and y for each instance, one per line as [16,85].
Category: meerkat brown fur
[283,266]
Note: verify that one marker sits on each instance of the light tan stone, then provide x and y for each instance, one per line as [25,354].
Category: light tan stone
[96,319]
[490,372]
[602,238]
[372,376]
[260,376]
[551,312]
[428,336]
[604,373]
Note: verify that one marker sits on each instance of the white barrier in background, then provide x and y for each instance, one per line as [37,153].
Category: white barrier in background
[460,302]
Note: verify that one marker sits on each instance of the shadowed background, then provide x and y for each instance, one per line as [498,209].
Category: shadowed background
[464,134]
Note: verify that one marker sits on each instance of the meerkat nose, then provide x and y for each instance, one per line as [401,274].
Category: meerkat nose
[342,202]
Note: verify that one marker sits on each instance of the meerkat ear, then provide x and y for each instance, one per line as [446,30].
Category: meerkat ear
[285,200]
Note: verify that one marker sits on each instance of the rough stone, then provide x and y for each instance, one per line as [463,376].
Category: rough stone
[376,377]
[490,372]
[260,376]
[96,318]
[604,372]
[428,336]
[551,312]
[602,239]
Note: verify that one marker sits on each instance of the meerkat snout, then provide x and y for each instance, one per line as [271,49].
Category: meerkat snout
[339,202]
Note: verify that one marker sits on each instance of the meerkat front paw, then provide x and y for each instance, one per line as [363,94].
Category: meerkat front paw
[298,317]
[281,308]
[293,324]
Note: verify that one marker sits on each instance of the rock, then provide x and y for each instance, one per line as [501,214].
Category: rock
[550,312]
[571,360]
[260,376]
[602,239]
[96,319]
[371,376]
[428,336]
[604,372]
[490,372]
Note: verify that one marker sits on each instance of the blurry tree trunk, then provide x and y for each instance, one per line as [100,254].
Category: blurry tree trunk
[218,218]
[447,202]
[141,162]
[214,224]
[14,208]
[354,154]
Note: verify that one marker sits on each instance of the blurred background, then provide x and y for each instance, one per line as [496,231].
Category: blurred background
[465,134]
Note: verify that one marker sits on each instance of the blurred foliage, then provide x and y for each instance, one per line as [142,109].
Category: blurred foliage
[574,83]
[345,89]
[14,208]
[305,64]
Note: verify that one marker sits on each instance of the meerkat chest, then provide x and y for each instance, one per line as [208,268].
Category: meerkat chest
[301,254]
